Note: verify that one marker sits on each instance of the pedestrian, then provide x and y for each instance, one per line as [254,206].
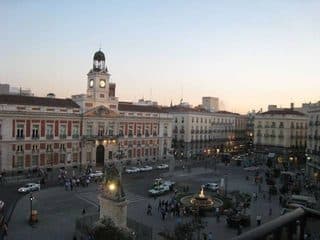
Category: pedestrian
[270,211]
[149,208]
[83,211]
[218,214]
[210,236]
[239,230]
[205,236]
[163,214]
[258,220]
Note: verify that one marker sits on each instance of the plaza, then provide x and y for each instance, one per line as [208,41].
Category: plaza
[58,209]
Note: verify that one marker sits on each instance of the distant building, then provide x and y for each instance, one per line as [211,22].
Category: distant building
[210,104]
[281,134]
[6,89]
[313,143]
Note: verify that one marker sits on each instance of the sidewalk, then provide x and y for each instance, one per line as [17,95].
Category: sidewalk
[58,210]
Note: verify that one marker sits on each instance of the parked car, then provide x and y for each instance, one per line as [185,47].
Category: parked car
[29,187]
[162,166]
[211,186]
[96,174]
[132,170]
[146,168]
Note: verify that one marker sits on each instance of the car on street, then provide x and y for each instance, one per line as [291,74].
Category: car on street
[29,187]
[158,190]
[146,168]
[163,166]
[132,170]
[96,174]
[211,186]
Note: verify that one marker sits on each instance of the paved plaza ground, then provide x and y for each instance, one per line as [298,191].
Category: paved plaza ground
[58,209]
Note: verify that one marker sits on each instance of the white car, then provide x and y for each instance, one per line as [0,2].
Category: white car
[163,166]
[96,174]
[211,186]
[146,168]
[159,190]
[132,170]
[168,183]
[29,187]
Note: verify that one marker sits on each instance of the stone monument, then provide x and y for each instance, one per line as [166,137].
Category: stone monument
[113,203]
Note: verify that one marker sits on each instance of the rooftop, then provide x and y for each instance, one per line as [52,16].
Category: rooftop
[37,101]
[286,111]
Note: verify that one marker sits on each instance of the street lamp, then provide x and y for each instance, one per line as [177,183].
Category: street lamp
[31,199]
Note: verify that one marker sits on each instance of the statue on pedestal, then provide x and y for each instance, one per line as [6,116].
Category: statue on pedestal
[112,185]
[112,199]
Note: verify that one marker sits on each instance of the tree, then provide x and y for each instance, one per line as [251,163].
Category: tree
[106,229]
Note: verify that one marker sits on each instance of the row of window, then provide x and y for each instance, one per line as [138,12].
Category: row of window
[281,125]
[35,131]
[205,120]
[49,160]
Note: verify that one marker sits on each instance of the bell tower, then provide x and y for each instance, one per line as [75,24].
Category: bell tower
[98,79]
[100,91]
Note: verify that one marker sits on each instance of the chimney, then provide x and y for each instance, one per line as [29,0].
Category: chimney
[291,106]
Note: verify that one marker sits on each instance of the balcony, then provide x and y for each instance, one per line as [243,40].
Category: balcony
[266,126]
[165,134]
[281,136]
[317,123]
[154,134]
[310,123]
[192,131]
[75,136]
[272,136]
[35,137]
[63,136]
[182,131]
[20,137]
[139,135]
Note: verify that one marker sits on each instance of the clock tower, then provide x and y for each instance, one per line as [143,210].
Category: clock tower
[100,91]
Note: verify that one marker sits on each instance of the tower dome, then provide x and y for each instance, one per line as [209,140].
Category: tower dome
[99,61]
[99,56]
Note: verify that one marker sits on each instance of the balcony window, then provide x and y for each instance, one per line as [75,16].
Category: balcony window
[20,131]
[75,132]
[89,130]
[63,131]
[35,160]
[35,132]
[49,131]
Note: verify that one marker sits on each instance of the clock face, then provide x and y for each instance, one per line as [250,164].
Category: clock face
[91,83]
[102,83]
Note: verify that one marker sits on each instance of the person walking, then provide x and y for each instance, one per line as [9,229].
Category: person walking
[258,220]
[270,211]
[210,236]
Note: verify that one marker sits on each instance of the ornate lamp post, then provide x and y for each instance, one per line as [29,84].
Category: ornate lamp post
[31,198]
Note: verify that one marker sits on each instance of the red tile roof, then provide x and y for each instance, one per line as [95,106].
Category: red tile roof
[286,111]
[37,101]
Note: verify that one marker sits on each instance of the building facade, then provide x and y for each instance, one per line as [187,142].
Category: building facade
[313,142]
[282,135]
[38,132]
[91,129]
[198,133]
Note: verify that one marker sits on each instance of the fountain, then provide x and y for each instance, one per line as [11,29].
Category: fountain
[201,201]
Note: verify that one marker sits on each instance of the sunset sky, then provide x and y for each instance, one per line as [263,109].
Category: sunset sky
[248,53]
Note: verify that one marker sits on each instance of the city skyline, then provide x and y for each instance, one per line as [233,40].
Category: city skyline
[247,54]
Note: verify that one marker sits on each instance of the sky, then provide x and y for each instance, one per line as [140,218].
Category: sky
[247,53]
